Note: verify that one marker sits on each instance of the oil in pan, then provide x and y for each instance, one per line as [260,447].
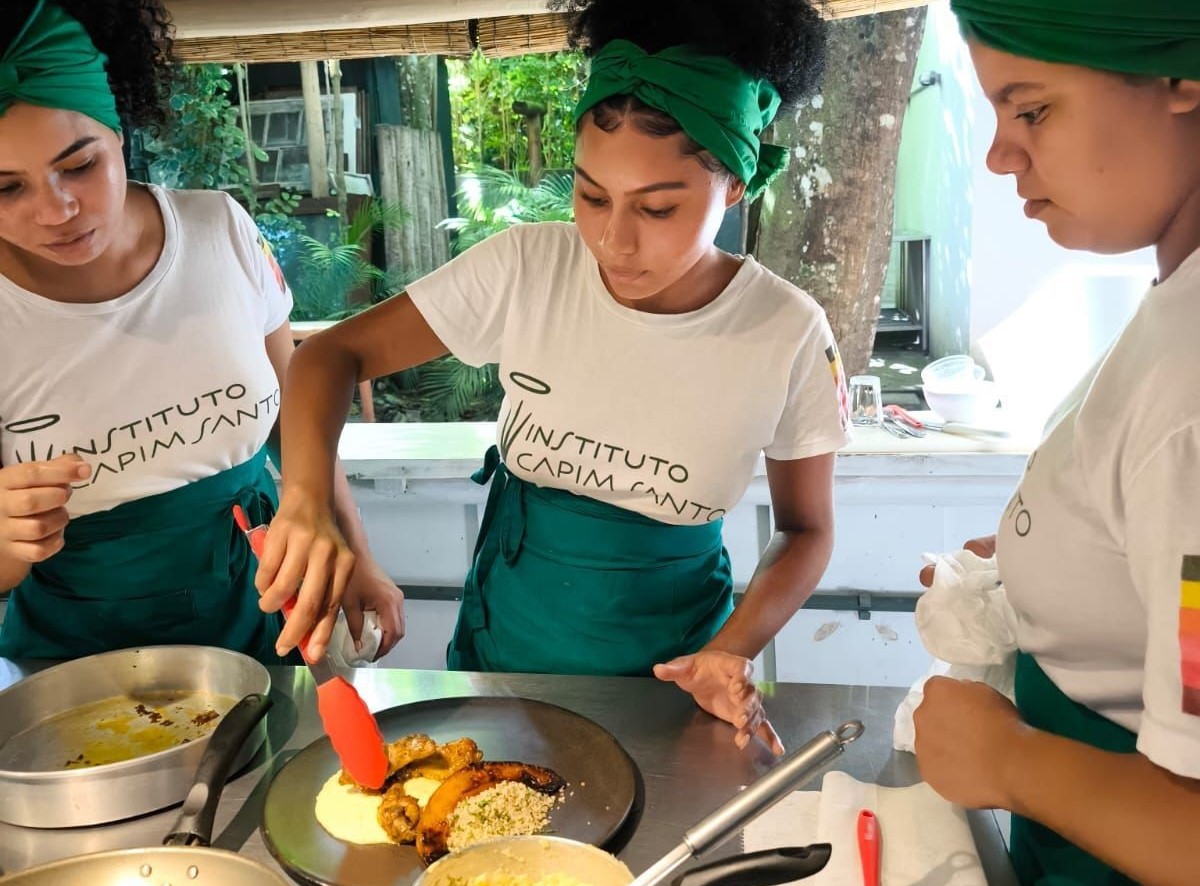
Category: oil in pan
[114,730]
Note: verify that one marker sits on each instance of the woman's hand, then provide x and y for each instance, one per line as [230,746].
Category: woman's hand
[372,590]
[966,736]
[304,549]
[722,684]
[33,506]
[984,547]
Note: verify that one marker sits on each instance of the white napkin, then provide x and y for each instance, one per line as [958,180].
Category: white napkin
[926,840]
[341,651]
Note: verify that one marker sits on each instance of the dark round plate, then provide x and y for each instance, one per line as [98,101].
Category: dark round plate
[601,783]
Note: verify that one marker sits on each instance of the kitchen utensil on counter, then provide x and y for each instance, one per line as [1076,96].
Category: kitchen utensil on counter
[186,858]
[602,783]
[962,429]
[347,720]
[546,855]
[50,718]
[870,847]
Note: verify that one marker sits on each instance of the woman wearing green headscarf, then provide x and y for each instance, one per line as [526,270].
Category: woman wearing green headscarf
[144,332]
[1098,119]
[645,373]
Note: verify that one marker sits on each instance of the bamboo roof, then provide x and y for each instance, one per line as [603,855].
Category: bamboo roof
[262,31]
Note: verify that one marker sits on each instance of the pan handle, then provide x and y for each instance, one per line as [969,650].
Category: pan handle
[195,824]
[765,868]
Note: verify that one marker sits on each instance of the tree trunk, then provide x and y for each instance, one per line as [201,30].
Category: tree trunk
[411,174]
[333,70]
[826,224]
[314,127]
[418,90]
[533,115]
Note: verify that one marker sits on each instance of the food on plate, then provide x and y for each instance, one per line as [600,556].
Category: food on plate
[448,759]
[484,801]
[350,814]
[502,878]
[441,797]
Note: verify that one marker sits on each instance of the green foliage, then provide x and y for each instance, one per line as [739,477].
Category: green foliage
[453,391]
[203,145]
[493,199]
[486,129]
[331,271]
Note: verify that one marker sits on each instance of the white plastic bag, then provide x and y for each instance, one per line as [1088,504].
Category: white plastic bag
[967,623]
[341,649]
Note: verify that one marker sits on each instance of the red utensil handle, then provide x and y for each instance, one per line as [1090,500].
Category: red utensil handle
[870,847]
[257,536]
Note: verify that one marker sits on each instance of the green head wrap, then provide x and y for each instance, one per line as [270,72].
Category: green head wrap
[718,104]
[53,63]
[1157,38]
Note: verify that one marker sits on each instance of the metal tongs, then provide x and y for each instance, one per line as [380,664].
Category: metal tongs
[729,819]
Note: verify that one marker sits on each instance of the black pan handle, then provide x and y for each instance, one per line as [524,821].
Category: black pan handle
[195,824]
[765,868]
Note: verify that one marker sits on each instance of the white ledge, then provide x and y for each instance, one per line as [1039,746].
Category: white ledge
[453,450]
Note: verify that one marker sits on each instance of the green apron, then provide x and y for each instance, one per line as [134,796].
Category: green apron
[170,568]
[563,584]
[1040,856]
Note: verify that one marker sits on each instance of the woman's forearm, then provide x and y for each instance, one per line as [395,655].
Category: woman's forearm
[1120,807]
[316,398]
[787,574]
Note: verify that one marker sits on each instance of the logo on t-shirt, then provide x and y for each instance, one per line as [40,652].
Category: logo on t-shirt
[275,269]
[589,465]
[839,381]
[146,438]
[1189,634]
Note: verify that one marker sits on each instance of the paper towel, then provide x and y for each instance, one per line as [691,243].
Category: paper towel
[926,840]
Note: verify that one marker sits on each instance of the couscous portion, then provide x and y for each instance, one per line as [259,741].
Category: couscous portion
[508,809]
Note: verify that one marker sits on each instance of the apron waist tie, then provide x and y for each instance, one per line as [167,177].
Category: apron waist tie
[506,495]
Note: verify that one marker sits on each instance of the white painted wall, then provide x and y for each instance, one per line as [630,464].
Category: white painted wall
[1039,314]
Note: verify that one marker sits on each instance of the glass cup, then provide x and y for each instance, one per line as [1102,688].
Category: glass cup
[866,400]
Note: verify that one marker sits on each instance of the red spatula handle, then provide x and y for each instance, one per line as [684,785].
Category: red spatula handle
[257,536]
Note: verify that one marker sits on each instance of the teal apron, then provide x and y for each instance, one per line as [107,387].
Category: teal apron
[1040,856]
[170,568]
[563,584]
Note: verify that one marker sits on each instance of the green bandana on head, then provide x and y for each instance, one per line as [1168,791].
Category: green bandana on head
[1156,38]
[718,104]
[53,63]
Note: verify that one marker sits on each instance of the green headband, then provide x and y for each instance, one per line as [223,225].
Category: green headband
[53,63]
[718,104]
[1156,38]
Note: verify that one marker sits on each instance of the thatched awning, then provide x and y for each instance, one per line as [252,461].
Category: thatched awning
[302,30]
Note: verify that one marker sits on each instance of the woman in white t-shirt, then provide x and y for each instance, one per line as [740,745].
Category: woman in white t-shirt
[645,373]
[144,336]
[1098,118]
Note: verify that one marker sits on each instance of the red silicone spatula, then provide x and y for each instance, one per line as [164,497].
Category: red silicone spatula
[348,721]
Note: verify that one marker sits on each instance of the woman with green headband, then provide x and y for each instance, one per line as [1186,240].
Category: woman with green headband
[1098,119]
[143,339]
[645,373]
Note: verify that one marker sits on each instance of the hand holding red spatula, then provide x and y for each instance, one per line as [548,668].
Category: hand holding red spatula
[347,720]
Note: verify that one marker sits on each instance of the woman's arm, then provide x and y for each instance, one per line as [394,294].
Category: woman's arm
[794,560]
[306,546]
[974,749]
[370,587]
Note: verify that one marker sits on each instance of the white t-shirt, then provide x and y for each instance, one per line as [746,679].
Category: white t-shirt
[1100,546]
[167,384]
[661,414]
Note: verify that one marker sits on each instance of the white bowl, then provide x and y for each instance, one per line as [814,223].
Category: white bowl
[963,405]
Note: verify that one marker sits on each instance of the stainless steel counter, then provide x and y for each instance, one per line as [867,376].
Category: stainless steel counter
[687,760]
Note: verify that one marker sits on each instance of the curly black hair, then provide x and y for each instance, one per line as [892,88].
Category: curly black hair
[778,40]
[135,35]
